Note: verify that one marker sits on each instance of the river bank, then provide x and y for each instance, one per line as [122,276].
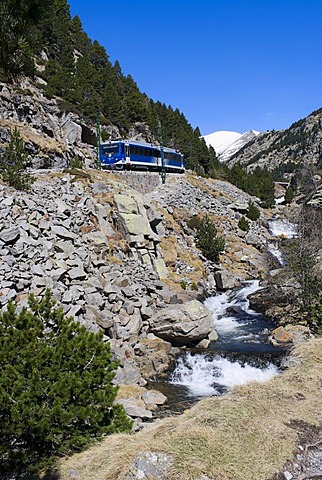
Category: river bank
[248,434]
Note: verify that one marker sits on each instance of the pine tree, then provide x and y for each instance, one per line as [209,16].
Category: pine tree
[55,386]
[253,212]
[289,195]
[207,240]
[14,162]
[243,224]
[17,35]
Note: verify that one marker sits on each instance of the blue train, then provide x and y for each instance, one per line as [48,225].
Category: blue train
[131,155]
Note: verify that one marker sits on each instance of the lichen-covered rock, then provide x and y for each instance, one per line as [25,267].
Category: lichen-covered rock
[183,324]
[150,466]
[290,334]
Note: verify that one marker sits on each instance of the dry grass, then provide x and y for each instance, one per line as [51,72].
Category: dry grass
[245,435]
[28,133]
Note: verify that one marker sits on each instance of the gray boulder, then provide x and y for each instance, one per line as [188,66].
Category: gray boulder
[134,408]
[225,280]
[9,235]
[150,466]
[183,324]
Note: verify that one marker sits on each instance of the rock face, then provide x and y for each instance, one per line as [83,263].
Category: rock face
[139,223]
[183,324]
[52,137]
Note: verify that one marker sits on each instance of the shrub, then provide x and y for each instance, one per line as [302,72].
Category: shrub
[105,135]
[289,195]
[14,162]
[183,284]
[207,240]
[194,286]
[253,212]
[316,315]
[55,386]
[77,162]
[243,224]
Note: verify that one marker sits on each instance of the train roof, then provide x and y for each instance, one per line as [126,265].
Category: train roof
[139,144]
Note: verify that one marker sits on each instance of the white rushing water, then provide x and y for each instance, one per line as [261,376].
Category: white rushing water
[220,303]
[203,376]
[276,252]
[282,228]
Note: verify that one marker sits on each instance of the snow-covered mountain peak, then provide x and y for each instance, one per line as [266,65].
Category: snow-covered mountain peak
[227,143]
[221,139]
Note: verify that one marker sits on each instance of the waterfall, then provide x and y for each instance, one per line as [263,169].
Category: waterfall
[282,228]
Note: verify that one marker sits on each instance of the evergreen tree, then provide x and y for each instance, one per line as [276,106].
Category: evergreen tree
[253,212]
[14,162]
[17,36]
[207,239]
[55,386]
[243,224]
[289,195]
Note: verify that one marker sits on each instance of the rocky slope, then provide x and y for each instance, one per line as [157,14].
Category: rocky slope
[296,145]
[116,249]
[118,254]
[117,260]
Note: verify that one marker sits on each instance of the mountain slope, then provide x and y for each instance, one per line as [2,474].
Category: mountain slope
[286,149]
[79,70]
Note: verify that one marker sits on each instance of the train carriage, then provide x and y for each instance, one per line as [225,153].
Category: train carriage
[127,155]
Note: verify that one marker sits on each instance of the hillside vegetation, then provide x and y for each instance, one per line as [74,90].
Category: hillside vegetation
[72,66]
[285,151]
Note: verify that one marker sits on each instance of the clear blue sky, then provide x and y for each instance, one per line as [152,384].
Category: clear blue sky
[226,64]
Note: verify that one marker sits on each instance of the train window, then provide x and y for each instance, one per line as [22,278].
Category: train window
[107,149]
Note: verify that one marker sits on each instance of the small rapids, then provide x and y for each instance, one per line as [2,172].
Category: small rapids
[214,376]
[282,228]
[241,354]
[276,252]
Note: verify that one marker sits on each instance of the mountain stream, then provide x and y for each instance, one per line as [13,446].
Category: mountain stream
[240,355]
[242,352]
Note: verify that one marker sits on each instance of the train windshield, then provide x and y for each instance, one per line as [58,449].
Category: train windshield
[108,149]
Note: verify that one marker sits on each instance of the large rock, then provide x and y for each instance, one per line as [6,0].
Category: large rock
[290,334]
[9,235]
[71,131]
[153,356]
[226,280]
[135,408]
[183,324]
[150,466]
